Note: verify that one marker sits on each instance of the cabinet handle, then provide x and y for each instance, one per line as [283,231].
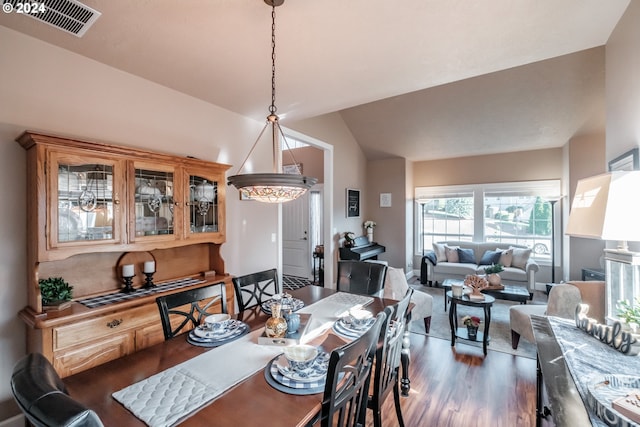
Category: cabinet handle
[114,323]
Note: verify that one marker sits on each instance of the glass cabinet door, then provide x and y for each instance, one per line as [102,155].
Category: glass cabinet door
[153,206]
[202,205]
[88,200]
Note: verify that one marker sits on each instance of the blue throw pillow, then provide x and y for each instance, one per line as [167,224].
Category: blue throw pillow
[466,256]
[490,257]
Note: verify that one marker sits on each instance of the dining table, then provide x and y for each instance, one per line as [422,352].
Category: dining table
[252,401]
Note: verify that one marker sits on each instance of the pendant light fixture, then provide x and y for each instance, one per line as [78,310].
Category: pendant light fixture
[276,187]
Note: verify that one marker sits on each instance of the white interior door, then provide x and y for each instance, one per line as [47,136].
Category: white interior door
[296,253]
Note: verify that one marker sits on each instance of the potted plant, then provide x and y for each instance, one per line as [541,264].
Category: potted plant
[629,313]
[492,273]
[472,323]
[56,293]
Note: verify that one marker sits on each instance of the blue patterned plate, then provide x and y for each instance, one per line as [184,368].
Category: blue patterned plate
[278,381]
[317,371]
[346,330]
[230,330]
[293,304]
[216,340]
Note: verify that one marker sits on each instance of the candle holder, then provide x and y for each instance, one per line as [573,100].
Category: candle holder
[128,284]
[148,282]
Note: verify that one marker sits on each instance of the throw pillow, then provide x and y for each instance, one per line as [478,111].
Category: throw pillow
[441,255]
[466,256]
[520,257]
[506,257]
[452,253]
[491,257]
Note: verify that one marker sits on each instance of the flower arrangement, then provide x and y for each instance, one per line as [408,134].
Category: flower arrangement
[369,224]
[494,269]
[471,321]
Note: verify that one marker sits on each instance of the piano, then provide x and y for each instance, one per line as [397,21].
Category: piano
[362,250]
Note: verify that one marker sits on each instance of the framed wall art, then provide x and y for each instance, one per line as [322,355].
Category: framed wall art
[629,161]
[353,203]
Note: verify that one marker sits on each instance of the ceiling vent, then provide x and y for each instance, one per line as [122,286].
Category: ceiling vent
[70,16]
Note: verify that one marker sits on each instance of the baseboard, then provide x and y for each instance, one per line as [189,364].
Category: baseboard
[15,421]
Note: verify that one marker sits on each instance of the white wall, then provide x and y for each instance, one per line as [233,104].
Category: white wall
[623,88]
[48,89]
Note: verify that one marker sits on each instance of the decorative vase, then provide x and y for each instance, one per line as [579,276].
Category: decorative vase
[276,325]
[293,322]
[472,331]
[494,279]
[370,234]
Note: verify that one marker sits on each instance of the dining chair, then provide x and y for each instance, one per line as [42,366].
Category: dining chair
[387,361]
[344,402]
[200,302]
[361,277]
[43,398]
[255,288]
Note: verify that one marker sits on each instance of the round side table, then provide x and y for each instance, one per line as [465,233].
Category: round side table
[461,333]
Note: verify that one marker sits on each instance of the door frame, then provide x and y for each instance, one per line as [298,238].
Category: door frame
[327,205]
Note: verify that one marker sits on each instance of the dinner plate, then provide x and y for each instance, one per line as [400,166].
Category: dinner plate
[295,305]
[346,330]
[286,385]
[215,340]
[230,330]
[317,371]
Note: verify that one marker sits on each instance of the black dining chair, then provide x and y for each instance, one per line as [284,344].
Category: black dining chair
[344,402]
[201,302]
[386,372]
[43,398]
[361,277]
[255,288]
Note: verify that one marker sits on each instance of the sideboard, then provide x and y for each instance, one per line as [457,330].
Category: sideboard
[94,207]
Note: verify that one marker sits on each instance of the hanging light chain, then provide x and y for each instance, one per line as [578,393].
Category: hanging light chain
[272,107]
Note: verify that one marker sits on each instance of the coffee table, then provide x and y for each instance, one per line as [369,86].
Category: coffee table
[461,333]
[509,293]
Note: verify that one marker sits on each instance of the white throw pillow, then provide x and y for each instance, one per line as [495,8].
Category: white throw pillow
[452,253]
[520,257]
[441,255]
[506,258]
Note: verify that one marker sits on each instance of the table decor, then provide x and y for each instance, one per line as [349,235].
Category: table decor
[476,284]
[472,323]
[56,293]
[204,337]
[626,342]
[286,301]
[291,337]
[276,325]
[279,377]
[611,397]
[344,328]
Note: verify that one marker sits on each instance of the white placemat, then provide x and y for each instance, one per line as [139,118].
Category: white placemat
[171,396]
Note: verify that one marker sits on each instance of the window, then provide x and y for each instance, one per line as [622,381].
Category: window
[510,213]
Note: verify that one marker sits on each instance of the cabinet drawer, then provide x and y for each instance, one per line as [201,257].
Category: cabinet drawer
[83,357]
[100,327]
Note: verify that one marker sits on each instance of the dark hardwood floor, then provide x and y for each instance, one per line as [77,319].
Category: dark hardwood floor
[459,387]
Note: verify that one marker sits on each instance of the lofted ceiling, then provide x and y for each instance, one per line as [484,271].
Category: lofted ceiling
[419,79]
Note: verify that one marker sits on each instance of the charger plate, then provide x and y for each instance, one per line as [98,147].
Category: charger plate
[290,386]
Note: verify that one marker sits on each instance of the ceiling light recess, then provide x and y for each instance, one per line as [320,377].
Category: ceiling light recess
[276,187]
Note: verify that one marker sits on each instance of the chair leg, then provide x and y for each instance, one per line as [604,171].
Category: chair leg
[427,323]
[396,400]
[515,339]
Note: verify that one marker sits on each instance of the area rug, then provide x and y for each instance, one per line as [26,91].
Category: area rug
[499,330]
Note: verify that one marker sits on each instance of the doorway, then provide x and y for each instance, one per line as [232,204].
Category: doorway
[305,223]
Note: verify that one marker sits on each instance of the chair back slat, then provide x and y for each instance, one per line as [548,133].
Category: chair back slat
[388,354]
[200,302]
[345,396]
[255,288]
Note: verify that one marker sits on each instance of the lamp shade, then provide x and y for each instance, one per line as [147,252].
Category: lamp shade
[607,207]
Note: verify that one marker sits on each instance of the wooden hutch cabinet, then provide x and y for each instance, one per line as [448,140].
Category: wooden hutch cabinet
[91,209]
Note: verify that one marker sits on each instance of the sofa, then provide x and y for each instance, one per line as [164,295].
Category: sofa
[456,260]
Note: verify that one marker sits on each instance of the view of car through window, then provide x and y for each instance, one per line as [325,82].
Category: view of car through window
[522,220]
